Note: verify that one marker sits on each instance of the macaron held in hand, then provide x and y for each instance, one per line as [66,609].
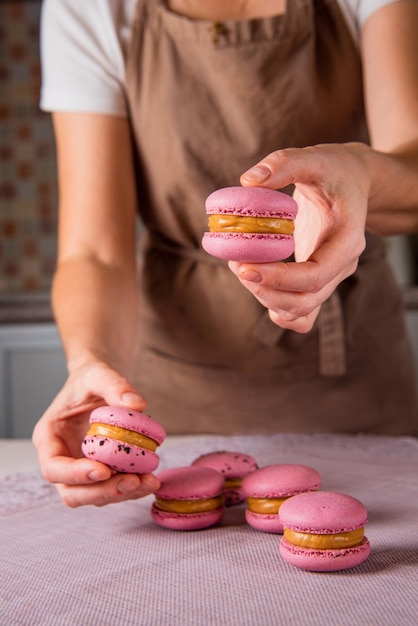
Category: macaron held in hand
[123,439]
[324,531]
[189,498]
[250,224]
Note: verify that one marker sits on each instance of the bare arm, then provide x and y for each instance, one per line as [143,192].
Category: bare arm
[94,300]
[389,45]
[343,188]
[94,291]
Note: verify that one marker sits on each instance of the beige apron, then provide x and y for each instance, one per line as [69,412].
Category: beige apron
[203,110]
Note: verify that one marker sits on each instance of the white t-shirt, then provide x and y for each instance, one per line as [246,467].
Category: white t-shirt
[83,50]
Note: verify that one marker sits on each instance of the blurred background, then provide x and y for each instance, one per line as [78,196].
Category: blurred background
[32,366]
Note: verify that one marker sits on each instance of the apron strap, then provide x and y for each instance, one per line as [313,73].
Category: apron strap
[331,336]
[332,353]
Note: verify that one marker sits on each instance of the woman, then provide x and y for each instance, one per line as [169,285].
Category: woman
[157,104]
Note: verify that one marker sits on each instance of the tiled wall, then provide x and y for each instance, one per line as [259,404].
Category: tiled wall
[28,193]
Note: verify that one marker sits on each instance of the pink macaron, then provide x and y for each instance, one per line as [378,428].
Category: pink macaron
[324,531]
[250,224]
[233,466]
[189,498]
[269,487]
[123,439]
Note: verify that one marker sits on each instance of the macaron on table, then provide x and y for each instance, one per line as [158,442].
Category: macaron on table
[324,531]
[250,224]
[234,467]
[101,566]
[269,487]
[190,498]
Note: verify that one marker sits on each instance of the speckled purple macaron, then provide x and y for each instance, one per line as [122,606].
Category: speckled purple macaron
[234,467]
[268,487]
[324,531]
[123,439]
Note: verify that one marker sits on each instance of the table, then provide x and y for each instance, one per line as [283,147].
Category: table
[112,566]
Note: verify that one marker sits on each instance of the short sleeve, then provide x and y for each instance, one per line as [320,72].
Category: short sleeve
[82,56]
[357,12]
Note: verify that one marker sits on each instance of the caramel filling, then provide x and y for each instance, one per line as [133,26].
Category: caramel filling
[266,506]
[324,542]
[233,483]
[122,434]
[247,224]
[188,506]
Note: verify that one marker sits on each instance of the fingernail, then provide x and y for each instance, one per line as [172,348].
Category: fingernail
[96,476]
[257,174]
[128,484]
[251,276]
[129,397]
[151,482]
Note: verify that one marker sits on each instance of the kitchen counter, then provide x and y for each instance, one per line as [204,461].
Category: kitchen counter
[113,566]
[36,307]
[26,308]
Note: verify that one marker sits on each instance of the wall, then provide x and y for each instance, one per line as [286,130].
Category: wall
[28,190]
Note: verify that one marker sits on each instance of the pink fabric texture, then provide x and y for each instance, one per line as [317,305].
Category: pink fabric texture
[113,566]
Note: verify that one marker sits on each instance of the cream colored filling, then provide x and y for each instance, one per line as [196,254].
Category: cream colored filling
[188,506]
[246,224]
[233,483]
[122,434]
[324,542]
[266,506]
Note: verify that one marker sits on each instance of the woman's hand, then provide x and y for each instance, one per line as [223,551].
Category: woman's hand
[59,433]
[331,190]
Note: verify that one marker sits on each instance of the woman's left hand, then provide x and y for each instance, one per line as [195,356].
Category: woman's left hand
[331,190]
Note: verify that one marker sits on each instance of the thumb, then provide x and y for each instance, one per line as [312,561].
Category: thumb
[115,389]
[285,167]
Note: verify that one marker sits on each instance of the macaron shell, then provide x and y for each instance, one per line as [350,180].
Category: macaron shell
[189,483]
[252,202]
[324,560]
[131,420]
[281,481]
[323,512]
[229,465]
[181,521]
[120,456]
[265,523]
[248,247]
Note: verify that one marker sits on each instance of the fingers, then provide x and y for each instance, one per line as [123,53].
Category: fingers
[285,167]
[301,324]
[325,166]
[81,481]
[118,488]
[294,292]
[114,388]
[59,433]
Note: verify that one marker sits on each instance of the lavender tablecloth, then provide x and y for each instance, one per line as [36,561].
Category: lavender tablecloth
[112,566]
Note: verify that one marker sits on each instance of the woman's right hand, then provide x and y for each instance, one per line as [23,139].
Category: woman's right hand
[59,433]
